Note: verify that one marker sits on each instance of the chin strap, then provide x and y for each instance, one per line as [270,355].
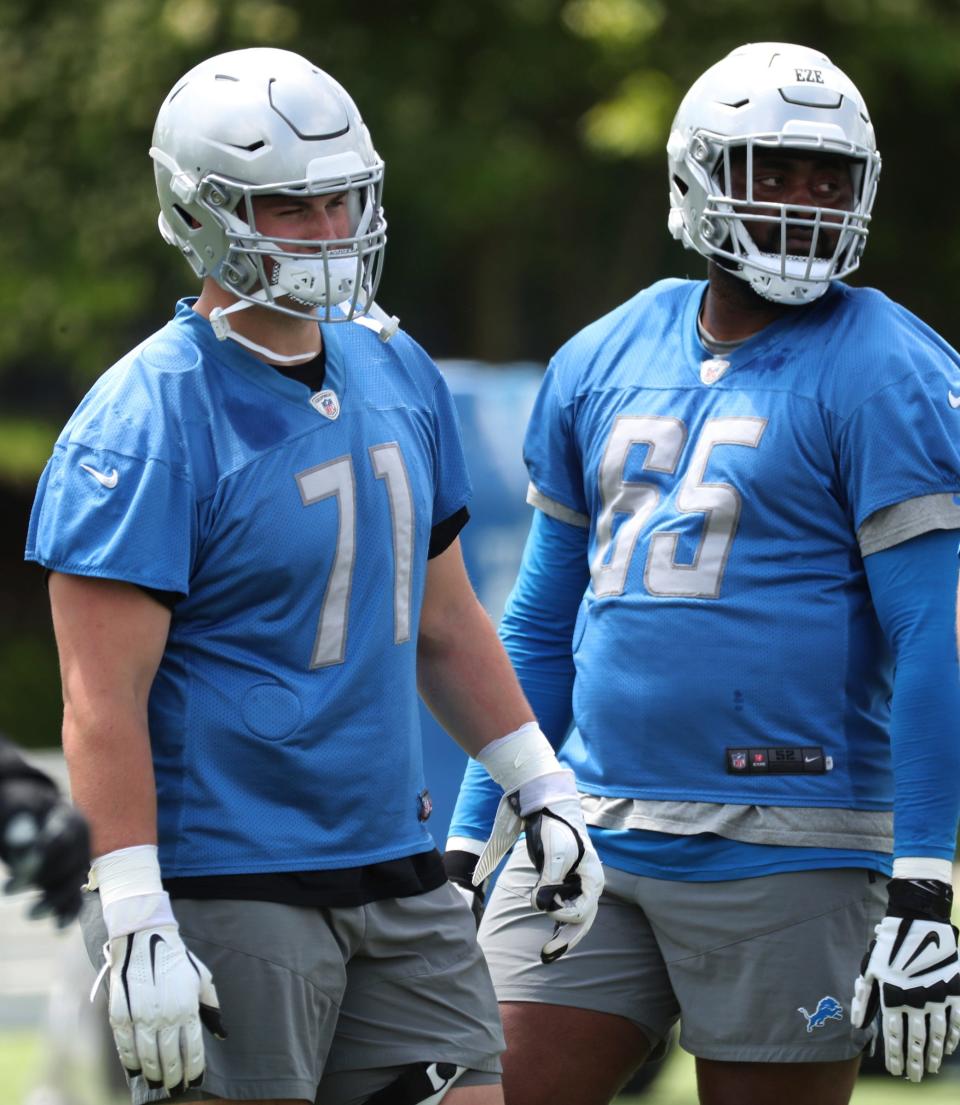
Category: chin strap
[373,318]
[224,330]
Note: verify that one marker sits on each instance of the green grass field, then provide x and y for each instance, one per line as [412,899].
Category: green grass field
[21,1060]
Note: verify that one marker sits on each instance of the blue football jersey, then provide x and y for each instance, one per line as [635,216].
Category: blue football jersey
[284,716]
[727,652]
[728,605]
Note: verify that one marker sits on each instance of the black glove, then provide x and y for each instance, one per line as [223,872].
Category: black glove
[46,844]
[460,867]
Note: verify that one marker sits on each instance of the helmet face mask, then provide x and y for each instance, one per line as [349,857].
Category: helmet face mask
[763,100]
[261,122]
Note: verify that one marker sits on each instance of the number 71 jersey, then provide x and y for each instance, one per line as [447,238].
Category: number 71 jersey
[730,502]
[284,718]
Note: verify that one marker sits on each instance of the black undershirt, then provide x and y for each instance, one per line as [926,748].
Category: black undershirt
[347,886]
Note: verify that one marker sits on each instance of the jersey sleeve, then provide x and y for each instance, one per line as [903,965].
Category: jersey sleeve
[913,586]
[903,442]
[552,457]
[537,631]
[453,488]
[104,514]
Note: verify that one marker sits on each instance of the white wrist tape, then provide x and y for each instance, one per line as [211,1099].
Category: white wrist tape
[519,757]
[923,867]
[131,892]
[545,790]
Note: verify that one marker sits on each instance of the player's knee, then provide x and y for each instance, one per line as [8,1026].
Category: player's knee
[418,1084]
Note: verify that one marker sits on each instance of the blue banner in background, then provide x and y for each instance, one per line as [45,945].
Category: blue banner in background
[494,403]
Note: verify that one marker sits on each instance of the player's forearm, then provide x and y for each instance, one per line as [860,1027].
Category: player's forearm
[465,678]
[110,637]
[475,809]
[912,586]
[107,750]
[538,621]
[926,757]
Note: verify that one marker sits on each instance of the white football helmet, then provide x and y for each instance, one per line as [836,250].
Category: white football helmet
[762,96]
[265,121]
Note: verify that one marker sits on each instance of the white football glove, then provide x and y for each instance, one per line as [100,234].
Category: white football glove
[541,798]
[160,993]
[911,976]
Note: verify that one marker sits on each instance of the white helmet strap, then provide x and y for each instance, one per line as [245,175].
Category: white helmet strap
[223,330]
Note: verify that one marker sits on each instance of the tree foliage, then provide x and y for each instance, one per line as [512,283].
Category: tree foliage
[525,186]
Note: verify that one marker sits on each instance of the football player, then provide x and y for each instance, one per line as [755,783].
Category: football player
[252,525]
[738,587]
[44,841]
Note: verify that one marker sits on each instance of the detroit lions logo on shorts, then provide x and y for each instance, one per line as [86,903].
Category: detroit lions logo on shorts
[828,1009]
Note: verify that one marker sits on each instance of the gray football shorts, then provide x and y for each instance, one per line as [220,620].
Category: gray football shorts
[755,970]
[331,1004]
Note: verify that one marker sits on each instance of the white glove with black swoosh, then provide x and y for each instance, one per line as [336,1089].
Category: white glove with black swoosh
[540,797]
[911,976]
[160,993]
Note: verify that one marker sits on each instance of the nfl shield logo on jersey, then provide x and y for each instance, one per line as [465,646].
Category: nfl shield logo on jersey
[712,369]
[424,805]
[326,403]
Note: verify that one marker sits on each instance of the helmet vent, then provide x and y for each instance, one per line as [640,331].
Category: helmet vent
[812,96]
[226,77]
[681,185]
[189,222]
[259,144]
[738,103]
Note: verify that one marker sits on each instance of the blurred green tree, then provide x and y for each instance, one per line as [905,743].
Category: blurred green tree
[524,146]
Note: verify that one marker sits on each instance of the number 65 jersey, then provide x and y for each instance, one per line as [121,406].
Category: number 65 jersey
[284,718]
[726,648]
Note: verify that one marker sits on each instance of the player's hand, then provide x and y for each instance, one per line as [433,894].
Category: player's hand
[570,875]
[460,866]
[911,976]
[571,878]
[160,995]
[46,844]
[160,992]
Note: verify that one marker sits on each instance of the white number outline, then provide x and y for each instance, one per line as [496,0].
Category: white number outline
[388,465]
[720,503]
[336,478]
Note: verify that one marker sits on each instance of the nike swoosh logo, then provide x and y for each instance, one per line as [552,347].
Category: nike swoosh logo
[931,939]
[101,478]
[154,940]
[953,400]
[810,759]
